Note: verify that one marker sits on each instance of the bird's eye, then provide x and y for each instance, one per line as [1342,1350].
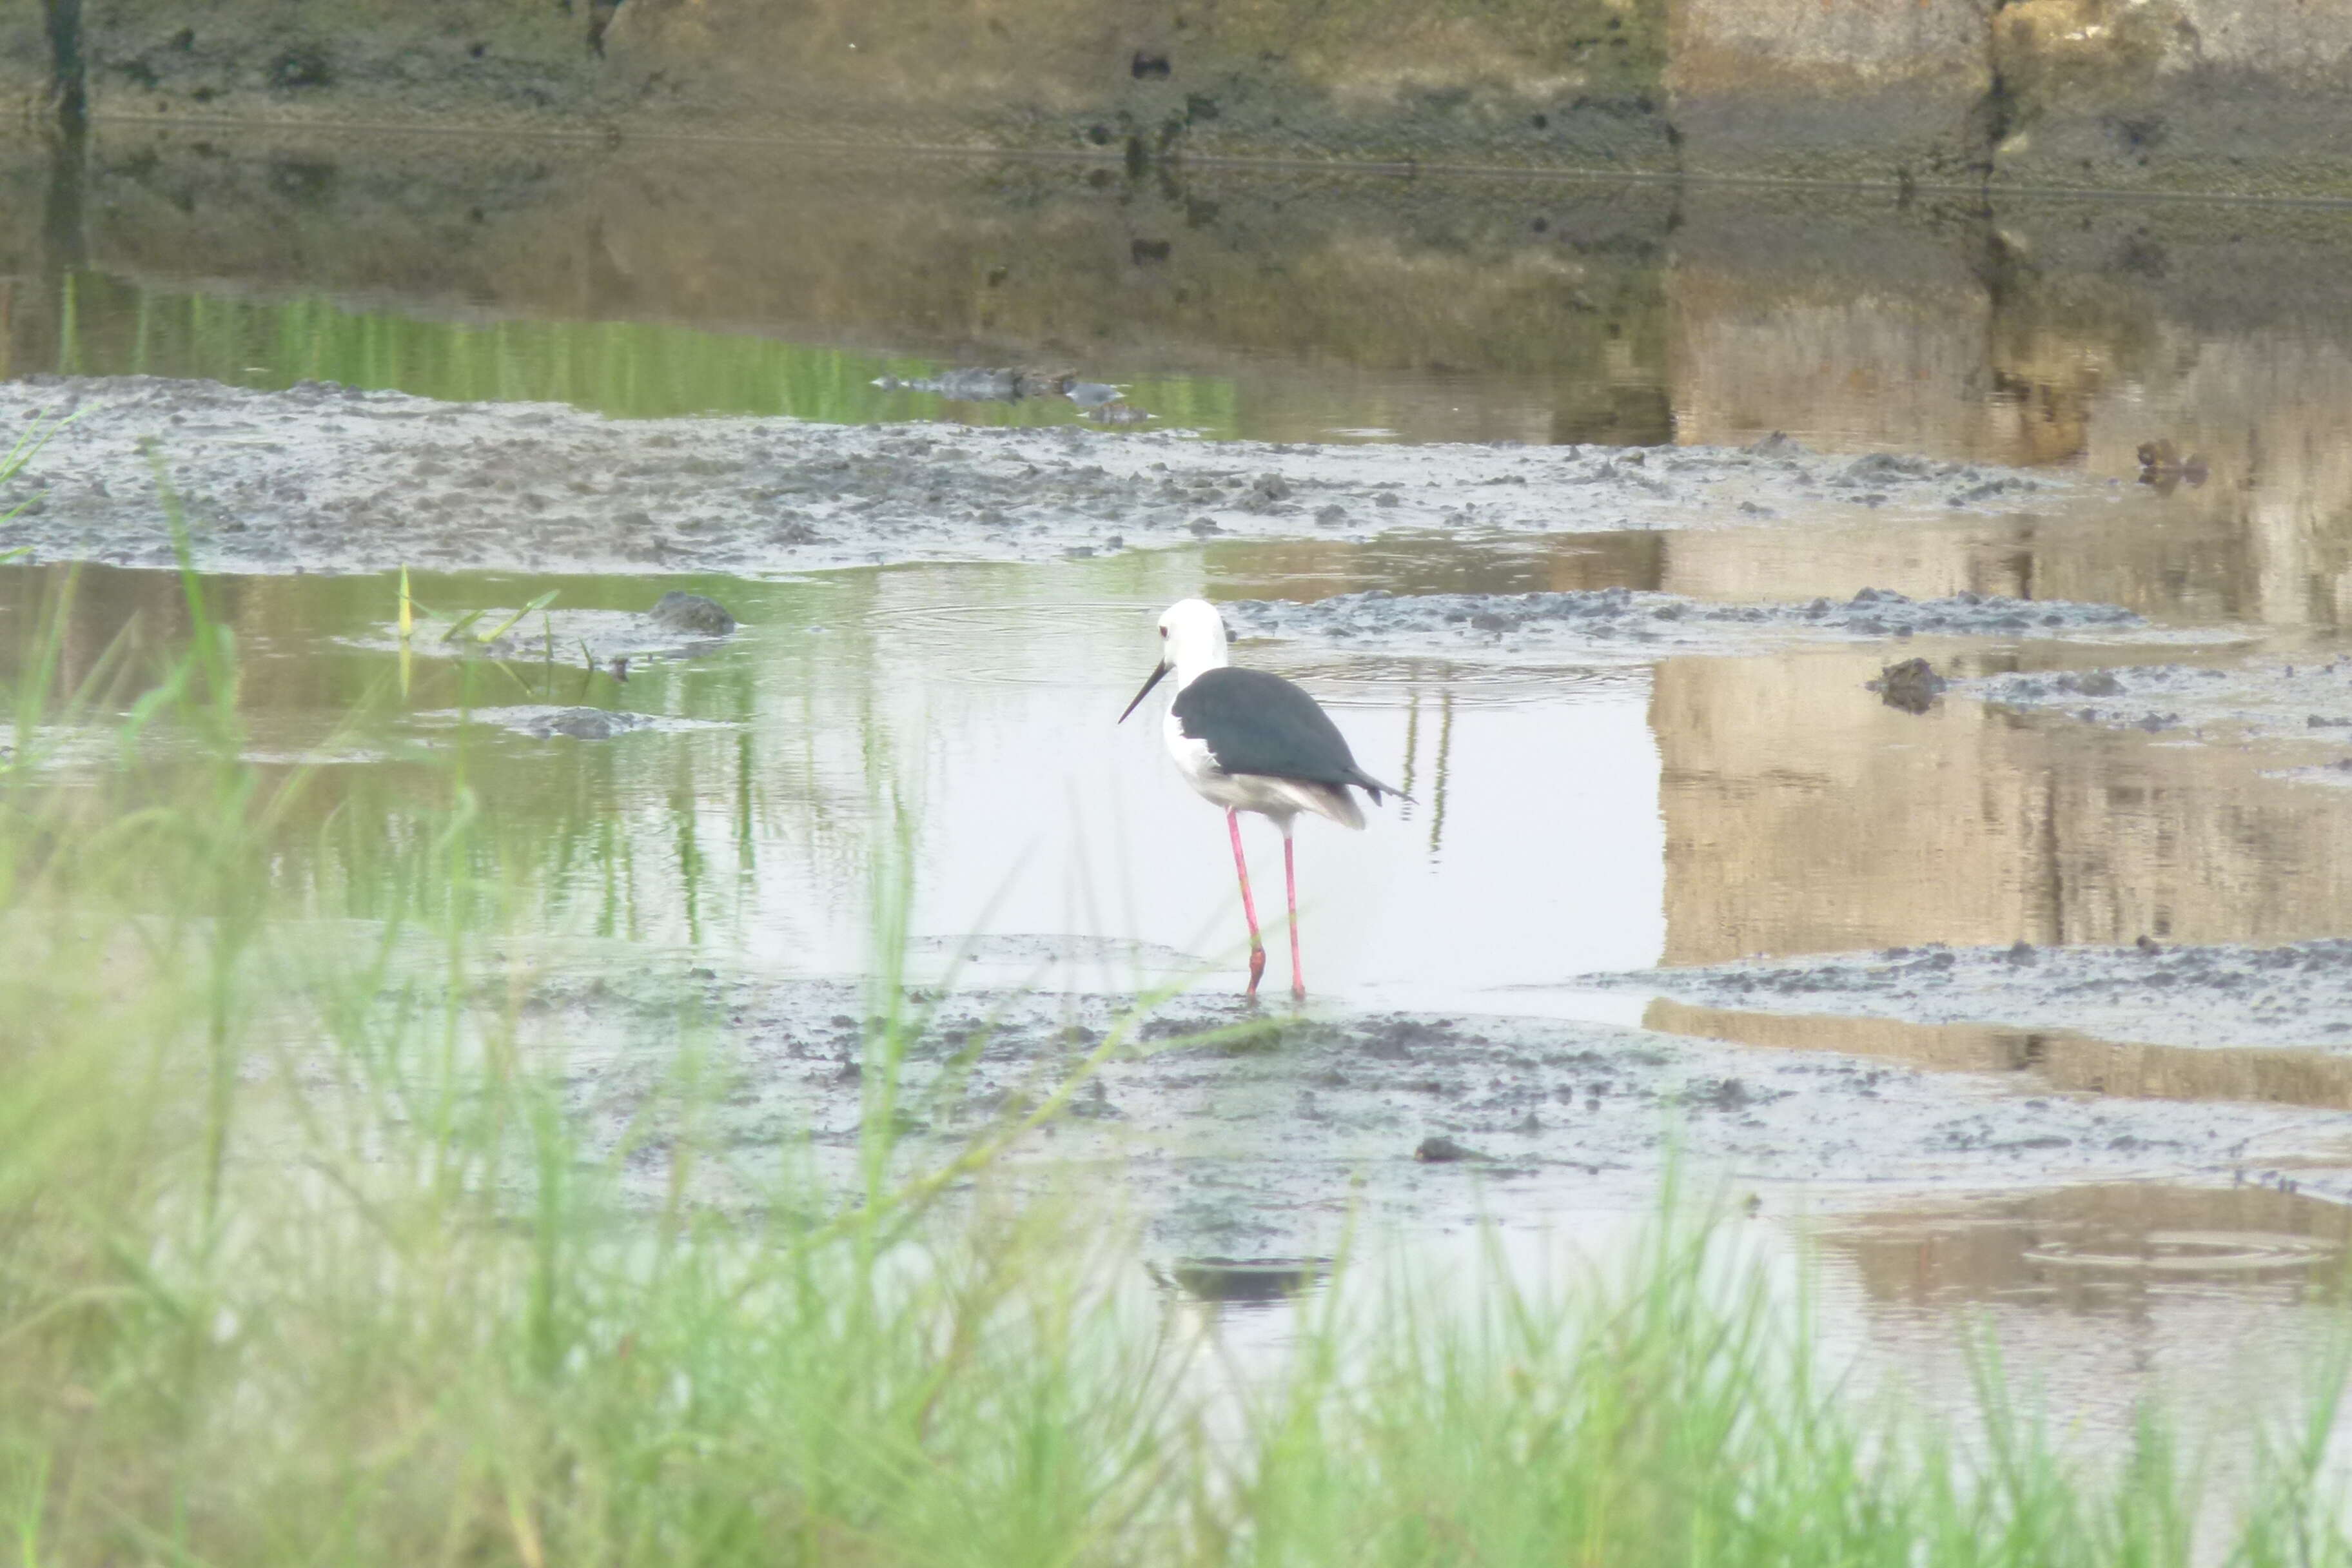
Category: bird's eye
[1163,631]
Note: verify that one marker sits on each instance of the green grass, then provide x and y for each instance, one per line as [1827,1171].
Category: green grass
[625,369]
[310,1253]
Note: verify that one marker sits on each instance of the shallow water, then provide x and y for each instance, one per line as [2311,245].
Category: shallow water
[1569,816]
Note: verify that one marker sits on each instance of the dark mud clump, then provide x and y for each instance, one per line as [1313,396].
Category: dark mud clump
[1653,622]
[323,477]
[691,615]
[1911,685]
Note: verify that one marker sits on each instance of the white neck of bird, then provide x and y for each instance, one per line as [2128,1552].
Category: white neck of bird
[1191,657]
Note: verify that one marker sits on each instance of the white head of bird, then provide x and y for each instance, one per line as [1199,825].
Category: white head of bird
[1191,640]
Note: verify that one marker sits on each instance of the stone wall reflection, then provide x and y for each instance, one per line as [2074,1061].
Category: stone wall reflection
[2048,336]
[2101,1247]
[1803,815]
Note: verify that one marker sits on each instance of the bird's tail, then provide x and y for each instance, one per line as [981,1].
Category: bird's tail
[1373,787]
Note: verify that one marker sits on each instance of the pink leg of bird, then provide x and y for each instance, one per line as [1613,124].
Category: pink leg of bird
[1290,885]
[1249,909]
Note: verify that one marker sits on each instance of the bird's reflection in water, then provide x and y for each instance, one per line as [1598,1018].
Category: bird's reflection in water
[1241,1282]
[1413,756]
[1437,789]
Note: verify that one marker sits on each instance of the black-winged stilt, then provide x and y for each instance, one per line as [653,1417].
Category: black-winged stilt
[1249,741]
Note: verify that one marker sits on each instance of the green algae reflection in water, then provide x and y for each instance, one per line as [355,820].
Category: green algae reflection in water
[635,370]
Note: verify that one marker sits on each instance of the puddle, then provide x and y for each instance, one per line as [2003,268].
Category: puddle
[1281,305]
[2099,1297]
[2100,1248]
[2205,1253]
[983,702]
[665,280]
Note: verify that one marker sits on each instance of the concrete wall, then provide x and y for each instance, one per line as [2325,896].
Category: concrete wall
[1831,89]
[2239,96]
[414,61]
[2253,97]
[1509,81]
[2242,97]
[1533,82]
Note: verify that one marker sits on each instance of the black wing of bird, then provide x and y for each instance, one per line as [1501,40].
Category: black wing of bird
[1256,722]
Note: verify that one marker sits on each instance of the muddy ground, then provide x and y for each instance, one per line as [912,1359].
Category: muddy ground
[2266,701]
[2217,996]
[1252,1132]
[1593,623]
[330,478]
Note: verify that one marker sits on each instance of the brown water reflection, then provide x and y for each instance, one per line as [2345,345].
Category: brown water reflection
[1805,817]
[2104,1301]
[2099,1249]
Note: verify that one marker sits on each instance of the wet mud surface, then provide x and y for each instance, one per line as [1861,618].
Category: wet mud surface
[326,477]
[2293,994]
[2265,700]
[1649,624]
[1250,1133]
